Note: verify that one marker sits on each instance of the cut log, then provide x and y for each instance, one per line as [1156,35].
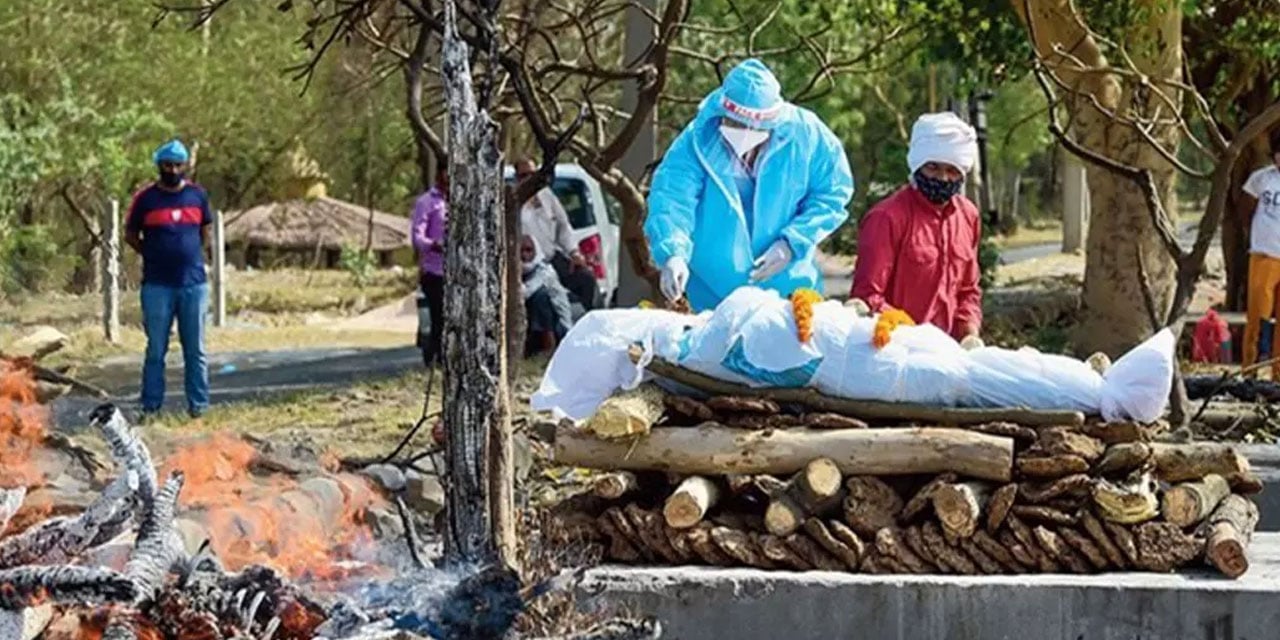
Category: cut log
[777,551]
[1040,513]
[1130,501]
[64,584]
[850,556]
[1017,549]
[1190,502]
[1124,540]
[862,409]
[813,491]
[1050,467]
[743,404]
[986,563]
[1183,462]
[627,414]
[713,449]
[923,498]
[741,547]
[844,534]
[688,407]
[1085,547]
[1123,459]
[1113,433]
[689,504]
[612,486]
[812,552]
[891,543]
[620,547]
[1228,530]
[760,421]
[1061,441]
[1164,547]
[700,541]
[680,542]
[1095,529]
[651,531]
[832,421]
[998,506]
[959,507]
[999,552]
[1244,483]
[1027,537]
[915,541]
[1018,432]
[945,553]
[620,524]
[1078,484]
[1053,545]
[870,505]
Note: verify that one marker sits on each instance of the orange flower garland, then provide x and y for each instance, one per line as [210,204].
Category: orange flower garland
[802,301]
[889,320]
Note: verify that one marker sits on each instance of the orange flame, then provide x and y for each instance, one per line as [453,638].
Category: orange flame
[22,422]
[272,520]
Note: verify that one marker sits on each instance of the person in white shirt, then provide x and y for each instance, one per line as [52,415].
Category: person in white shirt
[1261,207]
[544,219]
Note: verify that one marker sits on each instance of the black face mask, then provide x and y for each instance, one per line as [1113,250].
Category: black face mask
[935,190]
[171,178]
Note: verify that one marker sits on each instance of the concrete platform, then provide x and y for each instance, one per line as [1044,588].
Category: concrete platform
[746,604]
[1265,460]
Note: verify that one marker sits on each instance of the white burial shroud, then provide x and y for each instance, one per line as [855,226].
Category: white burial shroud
[751,338]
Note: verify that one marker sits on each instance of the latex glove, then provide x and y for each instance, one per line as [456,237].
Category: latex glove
[971,342]
[775,259]
[675,276]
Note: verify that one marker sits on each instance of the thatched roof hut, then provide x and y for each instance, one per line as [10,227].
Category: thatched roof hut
[314,224]
[307,221]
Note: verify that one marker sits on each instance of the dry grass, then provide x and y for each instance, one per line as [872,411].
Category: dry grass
[356,420]
[279,309]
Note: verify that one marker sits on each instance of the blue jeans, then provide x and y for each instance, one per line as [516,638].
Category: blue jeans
[160,306]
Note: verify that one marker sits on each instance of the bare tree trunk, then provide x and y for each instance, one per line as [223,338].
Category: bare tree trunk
[480,523]
[1127,262]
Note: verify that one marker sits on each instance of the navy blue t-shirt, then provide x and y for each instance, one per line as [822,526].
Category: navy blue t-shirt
[170,223]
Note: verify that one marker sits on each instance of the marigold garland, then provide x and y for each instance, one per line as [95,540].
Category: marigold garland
[802,301]
[888,321]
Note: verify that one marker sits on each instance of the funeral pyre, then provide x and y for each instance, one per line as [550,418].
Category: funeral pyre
[711,472]
[203,550]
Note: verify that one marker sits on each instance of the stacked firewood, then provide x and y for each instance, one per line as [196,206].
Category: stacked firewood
[792,483]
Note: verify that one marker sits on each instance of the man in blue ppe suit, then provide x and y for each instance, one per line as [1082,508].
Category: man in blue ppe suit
[168,225]
[745,194]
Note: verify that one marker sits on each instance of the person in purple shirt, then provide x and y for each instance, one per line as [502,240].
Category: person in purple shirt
[168,226]
[430,213]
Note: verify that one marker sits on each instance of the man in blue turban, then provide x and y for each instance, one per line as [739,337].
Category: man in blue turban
[167,226]
[745,194]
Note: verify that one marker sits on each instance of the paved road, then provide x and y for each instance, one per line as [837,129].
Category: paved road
[236,377]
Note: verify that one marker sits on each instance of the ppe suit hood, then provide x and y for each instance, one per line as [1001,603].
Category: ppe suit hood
[749,95]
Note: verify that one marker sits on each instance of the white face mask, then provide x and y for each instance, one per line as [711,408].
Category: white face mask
[743,140]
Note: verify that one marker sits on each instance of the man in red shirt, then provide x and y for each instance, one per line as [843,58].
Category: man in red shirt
[918,248]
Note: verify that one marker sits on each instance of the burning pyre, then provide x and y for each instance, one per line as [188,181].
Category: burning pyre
[243,583]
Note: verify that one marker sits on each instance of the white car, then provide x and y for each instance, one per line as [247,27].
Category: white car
[595,217]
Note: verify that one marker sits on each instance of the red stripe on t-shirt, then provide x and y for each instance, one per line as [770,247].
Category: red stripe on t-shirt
[173,216]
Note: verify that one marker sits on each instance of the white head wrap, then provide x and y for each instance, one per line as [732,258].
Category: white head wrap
[942,137]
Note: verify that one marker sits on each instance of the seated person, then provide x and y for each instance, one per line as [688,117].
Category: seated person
[544,218]
[546,303]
